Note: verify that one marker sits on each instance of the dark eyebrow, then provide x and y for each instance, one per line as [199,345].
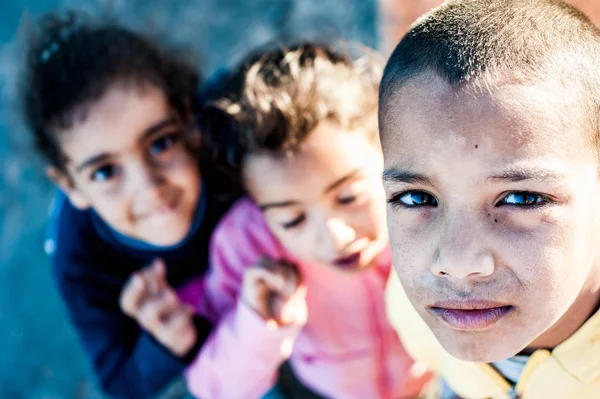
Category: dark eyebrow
[282,204]
[522,174]
[93,161]
[160,126]
[342,180]
[397,175]
[329,189]
[96,159]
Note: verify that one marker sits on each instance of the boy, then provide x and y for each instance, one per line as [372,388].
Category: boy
[489,126]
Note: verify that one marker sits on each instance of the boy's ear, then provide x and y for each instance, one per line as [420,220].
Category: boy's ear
[62,180]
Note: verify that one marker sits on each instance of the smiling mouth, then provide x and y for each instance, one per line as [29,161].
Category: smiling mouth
[164,210]
[471,315]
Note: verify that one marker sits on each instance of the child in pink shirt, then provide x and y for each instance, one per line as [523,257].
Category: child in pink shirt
[302,134]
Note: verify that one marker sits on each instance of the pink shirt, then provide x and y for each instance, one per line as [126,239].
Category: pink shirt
[347,349]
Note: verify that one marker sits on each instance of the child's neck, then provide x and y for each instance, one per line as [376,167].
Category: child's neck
[584,307]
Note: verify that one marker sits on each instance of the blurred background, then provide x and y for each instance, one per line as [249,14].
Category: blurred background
[40,357]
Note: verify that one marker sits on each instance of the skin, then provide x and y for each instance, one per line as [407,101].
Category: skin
[275,292]
[127,160]
[493,197]
[325,202]
[153,303]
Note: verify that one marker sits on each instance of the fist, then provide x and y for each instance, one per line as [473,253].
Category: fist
[151,301]
[273,289]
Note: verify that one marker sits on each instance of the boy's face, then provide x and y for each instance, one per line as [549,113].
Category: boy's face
[325,203]
[127,160]
[493,213]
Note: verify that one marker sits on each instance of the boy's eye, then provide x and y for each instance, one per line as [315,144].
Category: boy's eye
[163,143]
[294,223]
[412,199]
[104,173]
[523,198]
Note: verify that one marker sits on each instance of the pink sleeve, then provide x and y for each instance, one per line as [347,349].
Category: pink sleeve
[242,356]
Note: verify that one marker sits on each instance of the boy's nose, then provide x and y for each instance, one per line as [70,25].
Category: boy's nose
[461,252]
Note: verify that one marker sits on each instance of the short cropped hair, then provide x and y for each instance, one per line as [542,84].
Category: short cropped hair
[482,43]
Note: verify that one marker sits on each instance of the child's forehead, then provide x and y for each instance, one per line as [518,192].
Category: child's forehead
[529,112]
[429,121]
[327,141]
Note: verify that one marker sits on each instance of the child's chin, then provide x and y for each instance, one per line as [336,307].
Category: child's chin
[167,237]
[477,348]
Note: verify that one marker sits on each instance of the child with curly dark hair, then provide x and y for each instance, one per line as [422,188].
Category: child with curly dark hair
[111,112]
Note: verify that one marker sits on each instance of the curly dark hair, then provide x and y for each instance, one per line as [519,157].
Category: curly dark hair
[72,61]
[275,98]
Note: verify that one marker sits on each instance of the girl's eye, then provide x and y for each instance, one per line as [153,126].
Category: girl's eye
[523,199]
[413,199]
[104,173]
[163,144]
[347,199]
[352,192]
[294,223]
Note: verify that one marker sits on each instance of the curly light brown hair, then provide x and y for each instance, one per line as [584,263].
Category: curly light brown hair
[275,98]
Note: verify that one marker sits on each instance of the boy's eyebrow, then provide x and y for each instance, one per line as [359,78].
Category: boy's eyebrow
[396,175]
[329,188]
[514,175]
[148,132]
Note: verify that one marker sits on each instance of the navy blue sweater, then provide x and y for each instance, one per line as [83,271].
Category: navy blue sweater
[91,264]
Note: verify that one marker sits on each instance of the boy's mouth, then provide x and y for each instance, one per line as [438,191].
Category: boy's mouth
[470,315]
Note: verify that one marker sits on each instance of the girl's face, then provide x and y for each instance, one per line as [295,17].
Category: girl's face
[127,160]
[325,203]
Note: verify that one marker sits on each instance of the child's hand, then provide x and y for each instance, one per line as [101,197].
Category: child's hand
[153,303]
[273,290]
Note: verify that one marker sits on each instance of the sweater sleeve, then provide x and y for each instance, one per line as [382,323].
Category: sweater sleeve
[128,362]
[242,356]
